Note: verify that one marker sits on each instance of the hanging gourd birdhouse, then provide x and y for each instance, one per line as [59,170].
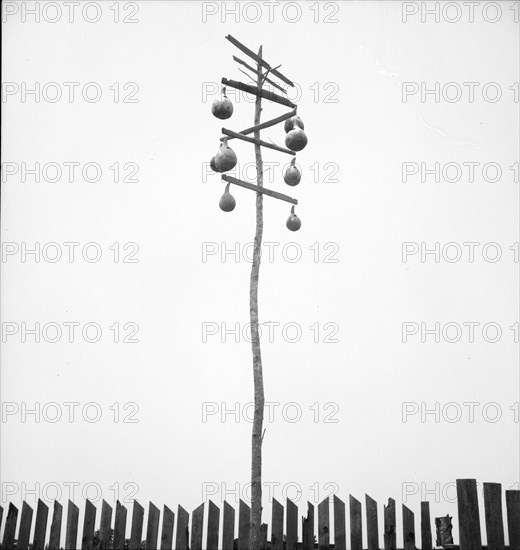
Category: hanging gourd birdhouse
[296,139]
[293,222]
[222,107]
[227,201]
[225,159]
[292,175]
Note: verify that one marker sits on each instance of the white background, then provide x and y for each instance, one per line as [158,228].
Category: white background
[351,73]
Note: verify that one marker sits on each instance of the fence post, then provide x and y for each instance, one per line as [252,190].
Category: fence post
[372,527]
[493,513]
[408,529]
[244,525]
[40,527]
[213,525]
[513,518]
[10,526]
[197,521]
[152,526]
[88,526]
[469,521]
[390,535]
[426,527]
[308,528]
[55,534]
[71,533]
[340,531]
[356,541]
[292,525]
[182,537]
[228,527]
[323,525]
[105,525]
[167,528]
[136,533]
[25,527]
[119,527]
[277,526]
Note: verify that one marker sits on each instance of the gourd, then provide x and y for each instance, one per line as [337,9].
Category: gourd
[293,222]
[225,159]
[212,165]
[222,108]
[296,139]
[227,201]
[292,175]
[290,123]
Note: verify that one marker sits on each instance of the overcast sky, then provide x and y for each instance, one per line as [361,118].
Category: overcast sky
[350,366]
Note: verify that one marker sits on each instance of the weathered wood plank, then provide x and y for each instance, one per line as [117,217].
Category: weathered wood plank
[264,191]
[71,530]
[213,526]
[25,527]
[292,525]
[136,530]
[120,527]
[493,514]
[340,531]
[10,526]
[182,535]
[197,522]
[469,522]
[308,528]
[258,59]
[228,527]
[372,526]
[277,526]
[167,529]
[323,525]
[88,526]
[513,518]
[426,527]
[266,94]
[105,525]
[356,523]
[55,534]
[152,526]
[244,525]
[40,526]
[390,534]
[408,529]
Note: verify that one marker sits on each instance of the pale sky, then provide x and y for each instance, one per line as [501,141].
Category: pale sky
[340,283]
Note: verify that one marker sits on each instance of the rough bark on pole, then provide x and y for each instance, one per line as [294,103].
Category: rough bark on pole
[258,418]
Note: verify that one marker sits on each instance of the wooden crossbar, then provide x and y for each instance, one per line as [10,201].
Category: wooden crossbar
[256,141]
[258,59]
[264,125]
[263,190]
[271,96]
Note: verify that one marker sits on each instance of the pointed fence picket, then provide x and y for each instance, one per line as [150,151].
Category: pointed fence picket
[222,535]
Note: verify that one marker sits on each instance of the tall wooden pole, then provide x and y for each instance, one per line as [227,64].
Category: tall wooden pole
[258,419]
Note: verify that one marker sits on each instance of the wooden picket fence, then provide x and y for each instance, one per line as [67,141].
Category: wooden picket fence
[113,535]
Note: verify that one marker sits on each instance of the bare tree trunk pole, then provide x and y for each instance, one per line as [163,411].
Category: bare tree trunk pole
[258,419]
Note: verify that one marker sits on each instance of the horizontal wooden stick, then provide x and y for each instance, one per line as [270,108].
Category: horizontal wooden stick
[255,91]
[238,60]
[263,190]
[258,59]
[266,124]
[256,141]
